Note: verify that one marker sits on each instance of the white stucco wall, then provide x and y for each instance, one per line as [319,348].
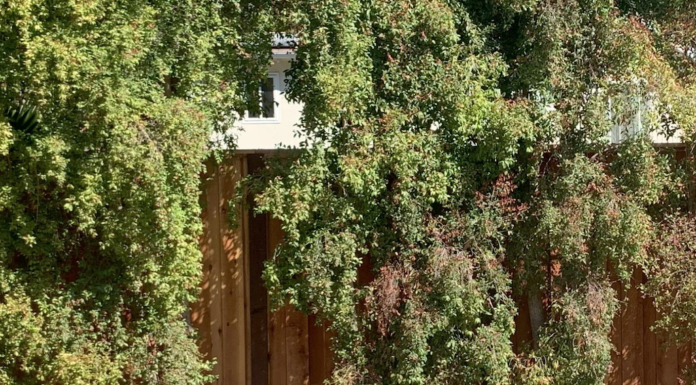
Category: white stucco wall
[260,135]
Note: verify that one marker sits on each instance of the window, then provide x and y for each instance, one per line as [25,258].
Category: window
[631,124]
[269,91]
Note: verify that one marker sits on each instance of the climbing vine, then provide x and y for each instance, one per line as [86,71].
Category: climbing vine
[106,112]
[459,166]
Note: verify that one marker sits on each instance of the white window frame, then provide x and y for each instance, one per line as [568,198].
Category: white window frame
[276,104]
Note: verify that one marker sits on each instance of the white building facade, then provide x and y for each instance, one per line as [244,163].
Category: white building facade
[276,126]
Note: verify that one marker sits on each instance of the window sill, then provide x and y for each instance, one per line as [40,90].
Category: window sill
[259,121]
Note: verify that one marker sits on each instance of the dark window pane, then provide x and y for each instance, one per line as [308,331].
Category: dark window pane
[267,101]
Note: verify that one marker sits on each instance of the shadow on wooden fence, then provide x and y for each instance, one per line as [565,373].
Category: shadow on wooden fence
[257,347]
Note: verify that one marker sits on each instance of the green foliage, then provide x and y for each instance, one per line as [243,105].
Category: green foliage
[673,275]
[99,180]
[459,163]
[574,348]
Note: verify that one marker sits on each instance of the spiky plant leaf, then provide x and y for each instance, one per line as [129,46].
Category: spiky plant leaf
[24,118]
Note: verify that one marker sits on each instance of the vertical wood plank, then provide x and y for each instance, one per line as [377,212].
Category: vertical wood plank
[277,349]
[258,302]
[317,356]
[275,235]
[328,353]
[201,309]
[614,377]
[684,357]
[276,321]
[523,325]
[234,307]
[297,347]
[667,364]
[632,333]
[216,301]
[258,296]
[244,167]
[650,347]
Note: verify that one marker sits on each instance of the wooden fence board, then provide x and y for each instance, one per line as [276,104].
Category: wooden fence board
[216,313]
[244,215]
[316,361]
[297,345]
[684,358]
[650,346]
[277,349]
[329,360]
[667,365]
[319,366]
[614,377]
[258,296]
[632,333]
[523,325]
[235,346]
[256,347]
[276,327]
[200,310]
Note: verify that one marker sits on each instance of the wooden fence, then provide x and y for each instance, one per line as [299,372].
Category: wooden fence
[253,346]
[250,344]
[640,357]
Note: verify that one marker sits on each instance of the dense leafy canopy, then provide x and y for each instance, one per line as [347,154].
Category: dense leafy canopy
[109,107]
[459,164]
